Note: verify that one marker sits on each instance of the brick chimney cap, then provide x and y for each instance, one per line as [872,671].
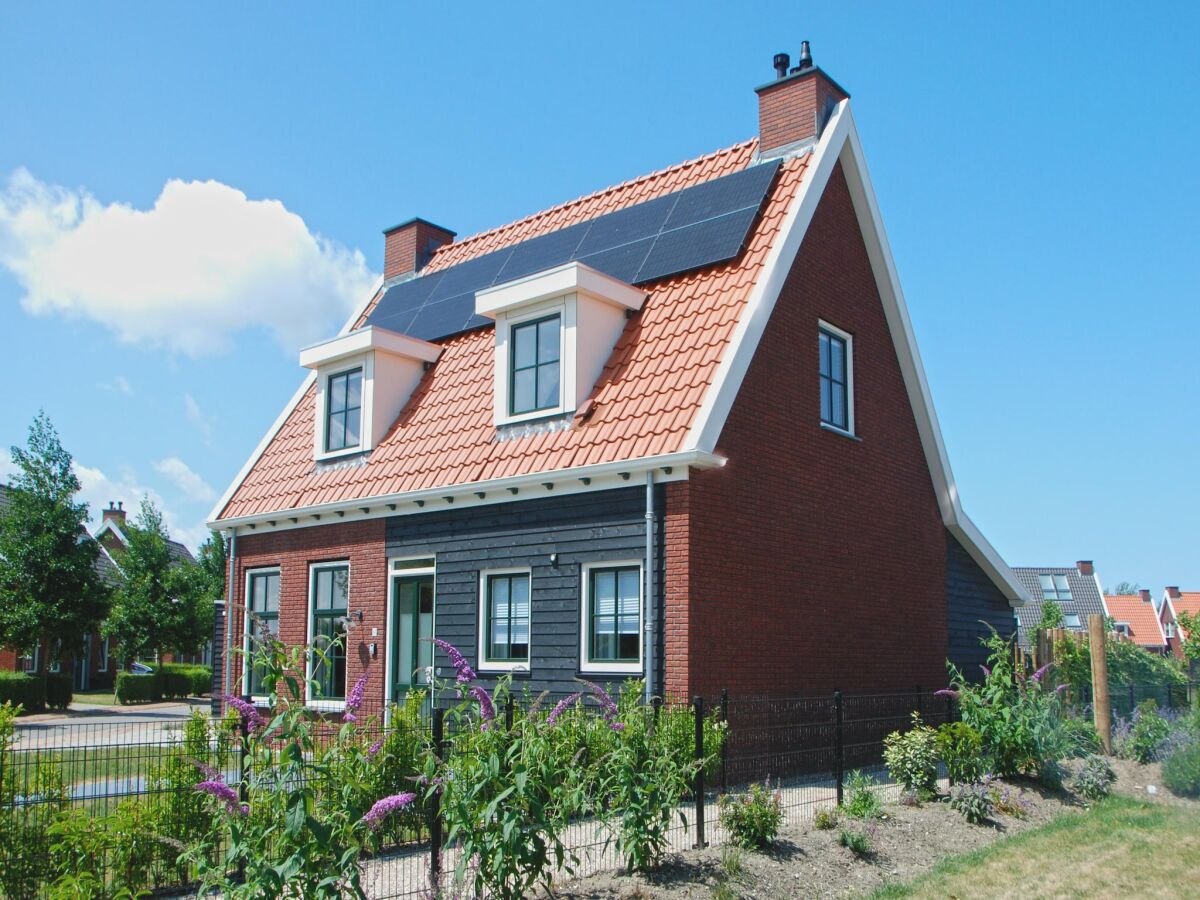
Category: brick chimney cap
[797,76]
[417,220]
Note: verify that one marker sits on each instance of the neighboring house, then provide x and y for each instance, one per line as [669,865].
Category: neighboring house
[1175,602]
[1076,589]
[1134,616]
[94,666]
[678,428]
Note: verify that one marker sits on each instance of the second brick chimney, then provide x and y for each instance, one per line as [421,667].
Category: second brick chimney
[793,109]
[1085,567]
[1173,592]
[1145,595]
[408,246]
[115,514]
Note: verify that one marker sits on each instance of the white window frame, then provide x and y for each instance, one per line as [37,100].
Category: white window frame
[564,307]
[1170,630]
[105,650]
[35,657]
[385,644]
[258,699]
[366,363]
[851,428]
[487,665]
[585,619]
[324,704]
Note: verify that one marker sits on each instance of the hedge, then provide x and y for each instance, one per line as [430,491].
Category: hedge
[134,688]
[59,690]
[185,679]
[19,688]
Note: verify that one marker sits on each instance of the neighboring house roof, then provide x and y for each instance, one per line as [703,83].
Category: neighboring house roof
[3,496]
[177,550]
[1187,602]
[1139,615]
[661,400]
[1086,597]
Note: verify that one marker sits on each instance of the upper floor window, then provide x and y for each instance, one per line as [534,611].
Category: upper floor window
[31,659]
[534,367]
[1170,630]
[329,603]
[1055,587]
[505,619]
[262,623]
[343,410]
[837,378]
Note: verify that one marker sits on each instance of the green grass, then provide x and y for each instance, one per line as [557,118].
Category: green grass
[1117,848]
[100,698]
[92,764]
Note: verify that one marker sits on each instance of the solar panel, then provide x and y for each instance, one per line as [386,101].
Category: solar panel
[694,227]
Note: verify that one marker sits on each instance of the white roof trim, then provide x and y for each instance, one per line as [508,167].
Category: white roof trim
[572,277]
[840,142]
[364,340]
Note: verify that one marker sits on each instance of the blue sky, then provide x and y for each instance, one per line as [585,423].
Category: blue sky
[1035,167]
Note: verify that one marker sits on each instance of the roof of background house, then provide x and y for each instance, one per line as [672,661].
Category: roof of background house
[105,566]
[1139,615]
[1186,602]
[177,550]
[1085,597]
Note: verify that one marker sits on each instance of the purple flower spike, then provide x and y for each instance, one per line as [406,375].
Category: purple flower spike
[461,666]
[608,706]
[1061,688]
[1037,676]
[374,748]
[946,692]
[225,794]
[562,706]
[252,719]
[987,673]
[355,700]
[486,708]
[385,807]
[617,726]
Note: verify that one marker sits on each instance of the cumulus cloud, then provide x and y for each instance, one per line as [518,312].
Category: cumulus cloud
[188,482]
[97,489]
[203,423]
[202,264]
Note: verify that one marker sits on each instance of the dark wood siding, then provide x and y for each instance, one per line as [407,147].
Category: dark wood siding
[580,528]
[973,600]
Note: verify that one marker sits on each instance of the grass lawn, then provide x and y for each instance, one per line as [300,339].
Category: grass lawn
[101,698]
[1118,848]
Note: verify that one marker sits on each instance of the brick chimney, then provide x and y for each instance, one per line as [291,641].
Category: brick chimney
[1145,592]
[794,108]
[1085,567]
[408,246]
[115,514]
[1173,592]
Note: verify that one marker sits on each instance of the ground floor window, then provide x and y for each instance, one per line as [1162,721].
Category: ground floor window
[262,623]
[104,654]
[505,619]
[29,661]
[329,601]
[612,617]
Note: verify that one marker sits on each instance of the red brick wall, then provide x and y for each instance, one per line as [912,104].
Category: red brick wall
[788,110]
[404,247]
[813,561]
[362,544]
[677,573]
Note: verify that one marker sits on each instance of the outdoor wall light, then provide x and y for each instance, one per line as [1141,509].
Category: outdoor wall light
[554,559]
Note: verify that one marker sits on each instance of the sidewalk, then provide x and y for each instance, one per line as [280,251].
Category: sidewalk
[88,723]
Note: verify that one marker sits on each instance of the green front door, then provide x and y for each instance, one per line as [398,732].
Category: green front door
[412,627]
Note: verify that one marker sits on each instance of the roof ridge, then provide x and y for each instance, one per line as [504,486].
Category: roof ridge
[457,245]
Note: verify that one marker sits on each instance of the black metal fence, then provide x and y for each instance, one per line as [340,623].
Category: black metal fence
[122,793]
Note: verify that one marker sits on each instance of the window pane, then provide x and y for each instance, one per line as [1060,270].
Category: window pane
[547,385]
[837,360]
[272,604]
[352,419]
[340,588]
[824,343]
[337,393]
[604,594]
[524,346]
[826,400]
[604,646]
[1060,582]
[631,591]
[323,579]
[337,431]
[838,399]
[354,389]
[1047,582]
[523,399]
[548,340]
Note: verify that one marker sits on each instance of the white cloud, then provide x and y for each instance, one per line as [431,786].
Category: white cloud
[98,489]
[189,483]
[202,264]
[119,385]
[197,417]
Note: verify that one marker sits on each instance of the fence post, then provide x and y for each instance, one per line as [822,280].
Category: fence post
[243,785]
[435,808]
[698,788]
[840,760]
[1101,705]
[725,741]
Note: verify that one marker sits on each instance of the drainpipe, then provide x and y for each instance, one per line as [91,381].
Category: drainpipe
[649,607]
[229,596]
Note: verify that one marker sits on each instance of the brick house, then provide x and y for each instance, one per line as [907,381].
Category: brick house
[1135,617]
[678,428]
[1174,602]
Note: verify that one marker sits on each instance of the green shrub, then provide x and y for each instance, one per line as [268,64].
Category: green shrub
[1181,773]
[134,688]
[825,819]
[857,841]
[1140,737]
[973,801]
[752,819]
[863,802]
[1082,734]
[911,757]
[1095,778]
[23,690]
[59,690]
[960,747]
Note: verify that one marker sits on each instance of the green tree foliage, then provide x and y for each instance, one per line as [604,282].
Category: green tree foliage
[1127,664]
[213,561]
[49,587]
[162,604]
[1189,623]
[1126,588]
[1052,616]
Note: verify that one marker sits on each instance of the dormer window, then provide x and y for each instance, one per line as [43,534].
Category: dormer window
[343,423]
[536,357]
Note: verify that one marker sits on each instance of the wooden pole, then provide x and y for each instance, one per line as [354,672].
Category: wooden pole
[1100,702]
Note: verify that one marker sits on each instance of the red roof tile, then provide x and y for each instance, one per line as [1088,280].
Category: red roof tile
[645,399]
[1138,615]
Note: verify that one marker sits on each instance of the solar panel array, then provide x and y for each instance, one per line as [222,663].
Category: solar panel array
[694,227]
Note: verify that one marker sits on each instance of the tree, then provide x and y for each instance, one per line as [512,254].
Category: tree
[162,603]
[1126,587]
[1189,624]
[49,587]
[214,564]
[1052,616]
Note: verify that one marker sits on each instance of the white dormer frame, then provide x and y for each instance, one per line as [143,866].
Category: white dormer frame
[592,309]
[392,364]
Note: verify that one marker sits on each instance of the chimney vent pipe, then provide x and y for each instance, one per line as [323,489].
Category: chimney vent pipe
[781,63]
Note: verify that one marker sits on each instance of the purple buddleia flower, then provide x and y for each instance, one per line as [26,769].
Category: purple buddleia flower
[1061,688]
[385,807]
[461,666]
[608,706]
[486,708]
[355,700]
[374,748]
[252,719]
[562,706]
[946,692]
[225,794]
[987,673]
[1037,676]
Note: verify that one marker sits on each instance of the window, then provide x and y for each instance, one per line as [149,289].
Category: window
[262,623]
[29,661]
[329,600]
[505,619]
[1055,587]
[1071,622]
[56,657]
[105,652]
[1170,630]
[837,378]
[534,366]
[343,410]
[612,617]
[1122,628]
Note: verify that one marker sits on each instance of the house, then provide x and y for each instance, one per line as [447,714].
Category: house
[1076,589]
[1135,617]
[1174,602]
[676,429]
[94,666]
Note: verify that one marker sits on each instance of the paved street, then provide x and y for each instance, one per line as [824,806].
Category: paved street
[90,725]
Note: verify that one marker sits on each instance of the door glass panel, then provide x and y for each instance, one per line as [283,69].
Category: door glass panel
[412,618]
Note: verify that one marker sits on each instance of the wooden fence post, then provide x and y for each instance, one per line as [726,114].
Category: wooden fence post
[1101,704]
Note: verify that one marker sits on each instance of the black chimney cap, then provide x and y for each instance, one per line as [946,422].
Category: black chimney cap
[781,63]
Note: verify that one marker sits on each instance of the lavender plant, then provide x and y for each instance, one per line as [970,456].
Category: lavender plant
[973,800]
[1095,778]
